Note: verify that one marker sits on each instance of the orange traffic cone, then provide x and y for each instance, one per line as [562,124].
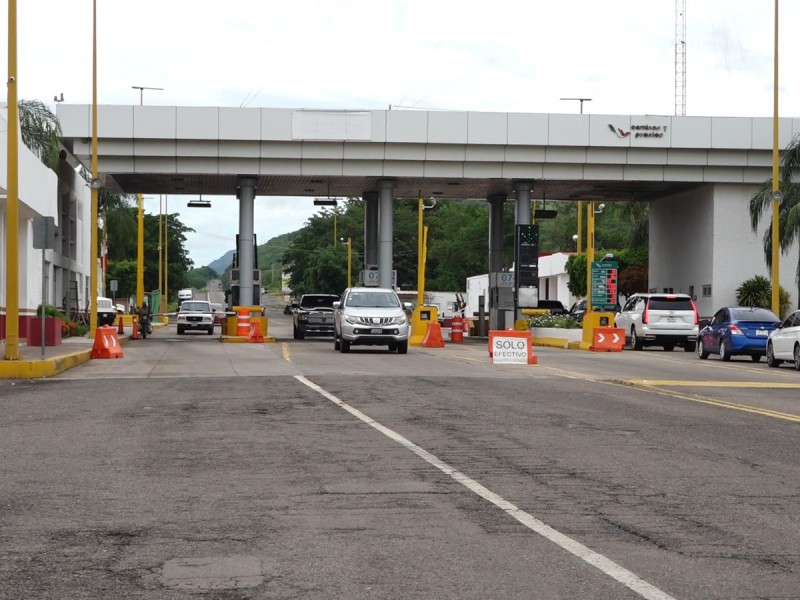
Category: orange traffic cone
[433,336]
[255,336]
[120,330]
[106,344]
[135,330]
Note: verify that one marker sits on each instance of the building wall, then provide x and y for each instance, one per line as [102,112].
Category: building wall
[682,245]
[41,193]
[703,239]
[739,252]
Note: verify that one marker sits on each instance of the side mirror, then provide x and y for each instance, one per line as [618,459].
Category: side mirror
[408,305]
[336,304]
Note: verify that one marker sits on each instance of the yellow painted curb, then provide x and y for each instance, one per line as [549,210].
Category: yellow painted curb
[32,369]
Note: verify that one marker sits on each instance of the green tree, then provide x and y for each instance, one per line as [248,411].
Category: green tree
[789,208]
[40,131]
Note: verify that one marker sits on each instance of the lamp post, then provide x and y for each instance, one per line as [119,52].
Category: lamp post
[95,184]
[12,199]
[582,100]
[777,197]
[140,221]
[349,244]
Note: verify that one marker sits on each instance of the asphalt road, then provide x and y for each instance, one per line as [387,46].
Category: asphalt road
[193,469]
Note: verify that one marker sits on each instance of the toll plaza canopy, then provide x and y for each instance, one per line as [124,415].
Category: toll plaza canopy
[299,152]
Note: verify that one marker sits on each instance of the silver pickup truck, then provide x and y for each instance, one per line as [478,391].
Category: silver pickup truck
[314,315]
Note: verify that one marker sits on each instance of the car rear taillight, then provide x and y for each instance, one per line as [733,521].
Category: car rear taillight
[734,329]
[694,308]
[646,310]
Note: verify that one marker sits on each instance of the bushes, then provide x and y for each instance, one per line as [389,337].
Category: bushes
[557,321]
[757,291]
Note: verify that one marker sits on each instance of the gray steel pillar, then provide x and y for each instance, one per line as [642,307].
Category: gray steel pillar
[370,228]
[496,259]
[246,194]
[522,191]
[385,230]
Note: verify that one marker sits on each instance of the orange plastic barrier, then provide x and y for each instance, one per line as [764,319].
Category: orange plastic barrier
[255,336]
[106,344]
[525,343]
[457,332]
[607,339]
[433,336]
[243,322]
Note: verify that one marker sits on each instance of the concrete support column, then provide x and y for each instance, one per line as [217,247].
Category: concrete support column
[370,228]
[246,194]
[385,230]
[496,203]
[496,258]
[522,191]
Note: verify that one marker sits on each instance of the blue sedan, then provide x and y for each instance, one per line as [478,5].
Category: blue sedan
[737,330]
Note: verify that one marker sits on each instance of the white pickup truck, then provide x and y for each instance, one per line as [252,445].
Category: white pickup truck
[195,314]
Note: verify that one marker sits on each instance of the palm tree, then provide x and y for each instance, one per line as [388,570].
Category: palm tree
[789,209]
[40,131]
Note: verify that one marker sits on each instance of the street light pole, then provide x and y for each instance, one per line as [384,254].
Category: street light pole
[95,185]
[582,100]
[776,184]
[12,197]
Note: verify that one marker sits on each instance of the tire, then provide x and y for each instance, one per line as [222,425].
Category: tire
[402,347]
[755,357]
[797,357]
[771,360]
[392,347]
[143,332]
[689,346]
[701,350]
[636,342]
[298,335]
[344,346]
[211,330]
[336,343]
[180,330]
[724,351]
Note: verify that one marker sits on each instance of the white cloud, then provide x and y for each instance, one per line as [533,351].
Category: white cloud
[449,54]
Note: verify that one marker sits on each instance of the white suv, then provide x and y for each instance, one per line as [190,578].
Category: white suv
[370,317]
[666,320]
[784,342]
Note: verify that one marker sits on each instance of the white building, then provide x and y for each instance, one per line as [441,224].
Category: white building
[42,192]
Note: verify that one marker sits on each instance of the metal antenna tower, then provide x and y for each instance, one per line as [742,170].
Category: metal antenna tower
[680,58]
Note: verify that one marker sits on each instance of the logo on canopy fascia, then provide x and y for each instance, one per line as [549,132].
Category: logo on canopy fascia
[620,133]
[640,131]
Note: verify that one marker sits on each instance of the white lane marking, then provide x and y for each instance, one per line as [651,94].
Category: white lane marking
[606,565]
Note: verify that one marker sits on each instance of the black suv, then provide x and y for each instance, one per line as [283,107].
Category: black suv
[314,315]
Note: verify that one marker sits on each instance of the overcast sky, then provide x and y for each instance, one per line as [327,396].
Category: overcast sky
[506,56]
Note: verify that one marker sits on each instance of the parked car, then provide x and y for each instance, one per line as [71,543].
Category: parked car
[577,310]
[106,311]
[737,330]
[784,342]
[554,306]
[371,317]
[195,314]
[313,315]
[665,320]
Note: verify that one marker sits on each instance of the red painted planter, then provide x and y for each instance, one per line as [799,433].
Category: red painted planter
[52,331]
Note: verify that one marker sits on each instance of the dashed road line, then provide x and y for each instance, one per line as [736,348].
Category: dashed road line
[597,560]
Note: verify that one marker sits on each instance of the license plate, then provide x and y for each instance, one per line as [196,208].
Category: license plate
[376,331]
[762,332]
[670,319]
